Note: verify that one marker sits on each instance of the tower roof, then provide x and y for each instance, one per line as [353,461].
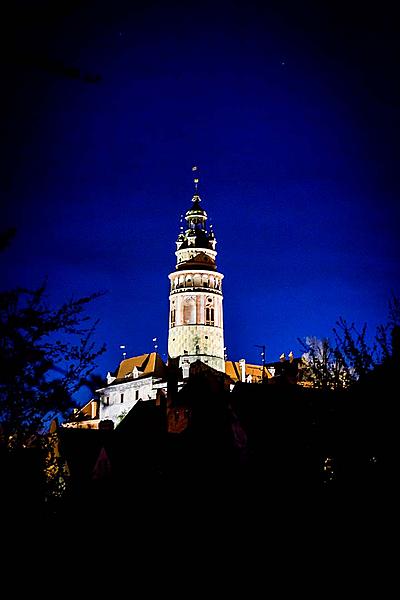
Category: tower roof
[196,234]
[200,261]
[195,238]
[196,211]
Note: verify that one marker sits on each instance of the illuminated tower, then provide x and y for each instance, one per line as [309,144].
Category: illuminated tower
[196,329]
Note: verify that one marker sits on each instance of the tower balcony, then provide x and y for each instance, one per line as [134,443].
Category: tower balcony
[196,281]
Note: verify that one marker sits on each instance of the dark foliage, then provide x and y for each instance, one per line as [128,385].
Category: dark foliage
[350,357]
[46,355]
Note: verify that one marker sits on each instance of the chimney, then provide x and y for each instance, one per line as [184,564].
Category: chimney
[110,378]
[242,363]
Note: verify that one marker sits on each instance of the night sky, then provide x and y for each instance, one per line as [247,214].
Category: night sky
[290,111]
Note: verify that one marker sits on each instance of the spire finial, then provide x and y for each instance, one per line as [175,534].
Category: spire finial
[196,179]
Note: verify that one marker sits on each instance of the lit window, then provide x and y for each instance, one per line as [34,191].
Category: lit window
[209,316]
[189,312]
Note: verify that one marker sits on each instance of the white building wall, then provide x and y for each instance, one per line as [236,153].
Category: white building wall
[111,406]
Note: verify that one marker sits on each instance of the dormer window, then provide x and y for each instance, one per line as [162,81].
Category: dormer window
[135,373]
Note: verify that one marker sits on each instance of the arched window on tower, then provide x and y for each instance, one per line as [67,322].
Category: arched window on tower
[189,312]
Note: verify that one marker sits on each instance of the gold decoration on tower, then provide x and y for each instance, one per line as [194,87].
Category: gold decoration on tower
[196,179]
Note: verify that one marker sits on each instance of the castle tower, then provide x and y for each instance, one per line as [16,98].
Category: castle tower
[196,329]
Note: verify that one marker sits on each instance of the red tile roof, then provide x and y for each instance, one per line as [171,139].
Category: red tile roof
[147,364]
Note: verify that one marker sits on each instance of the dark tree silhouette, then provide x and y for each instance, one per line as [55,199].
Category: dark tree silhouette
[353,349]
[350,357]
[46,355]
[388,336]
[323,365]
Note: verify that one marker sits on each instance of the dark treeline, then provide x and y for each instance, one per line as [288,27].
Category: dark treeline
[246,454]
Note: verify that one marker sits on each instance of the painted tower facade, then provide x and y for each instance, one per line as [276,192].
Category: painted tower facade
[196,330]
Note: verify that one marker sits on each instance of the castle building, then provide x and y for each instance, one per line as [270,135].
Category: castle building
[136,379]
[195,333]
[196,330]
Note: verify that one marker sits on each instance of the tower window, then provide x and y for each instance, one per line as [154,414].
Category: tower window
[173,313]
[107,400]
[137,395]
[209,316]
[122,398]
[189,312]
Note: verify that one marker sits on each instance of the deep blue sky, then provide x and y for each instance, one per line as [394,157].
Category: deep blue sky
[291,114]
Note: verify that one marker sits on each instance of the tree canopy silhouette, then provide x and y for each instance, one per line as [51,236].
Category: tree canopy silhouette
[350,357]
[46,355]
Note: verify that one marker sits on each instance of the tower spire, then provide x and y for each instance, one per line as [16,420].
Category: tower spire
[195,180]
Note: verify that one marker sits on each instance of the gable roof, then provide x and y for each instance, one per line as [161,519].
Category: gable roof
[146,364]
